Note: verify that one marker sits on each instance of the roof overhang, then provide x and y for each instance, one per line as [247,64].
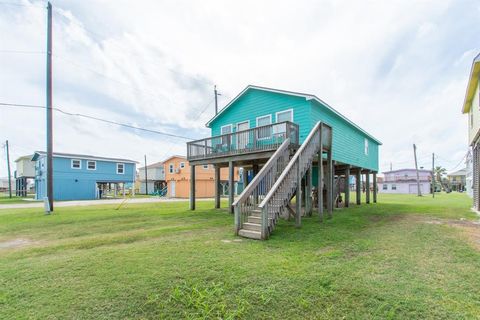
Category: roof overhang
[472,84]
[37,154]
[291,93]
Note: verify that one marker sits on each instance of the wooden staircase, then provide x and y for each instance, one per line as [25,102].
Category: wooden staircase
[266,198]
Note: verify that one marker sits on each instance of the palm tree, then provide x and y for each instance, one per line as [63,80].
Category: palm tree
[439,173]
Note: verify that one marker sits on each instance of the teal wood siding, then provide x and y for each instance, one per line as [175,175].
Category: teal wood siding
[348,141]
[256,103]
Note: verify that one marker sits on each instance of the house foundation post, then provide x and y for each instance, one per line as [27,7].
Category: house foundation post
[329,183]
[231,186]
[375,187]
[347,186]
[217,186]
[192,187]
[320,176]
[298,197]
[358,185]
[308,193]
[367,187]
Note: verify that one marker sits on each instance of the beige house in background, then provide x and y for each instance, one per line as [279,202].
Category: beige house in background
[471,106]
[177,176]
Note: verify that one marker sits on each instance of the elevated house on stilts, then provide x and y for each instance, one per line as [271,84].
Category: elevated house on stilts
[281,138]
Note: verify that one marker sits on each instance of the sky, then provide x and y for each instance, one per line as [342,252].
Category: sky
[398,69]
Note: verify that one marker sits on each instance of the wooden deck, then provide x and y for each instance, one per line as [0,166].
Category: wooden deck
[251,142]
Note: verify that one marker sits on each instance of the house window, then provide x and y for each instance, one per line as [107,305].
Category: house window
[226,130]
[120,168]
[394,187]
[366,146]
[286,115]
[76,164]
[205,166]
[385,186]
[92,165]
[170,168]
[264,133]
[182,165]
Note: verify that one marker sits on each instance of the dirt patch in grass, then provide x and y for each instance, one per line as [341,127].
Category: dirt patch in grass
[470,228]
[15,243]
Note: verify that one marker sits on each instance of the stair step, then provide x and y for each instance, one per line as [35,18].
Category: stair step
[252,226]
[250,234]
[253,219]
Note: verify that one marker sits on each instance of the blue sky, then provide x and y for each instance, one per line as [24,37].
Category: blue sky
[398,69]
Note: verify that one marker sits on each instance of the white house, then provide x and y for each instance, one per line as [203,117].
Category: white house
[155,178]
[405,181]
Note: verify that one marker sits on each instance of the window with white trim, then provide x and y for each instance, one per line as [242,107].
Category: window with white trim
[76,164]
[286,115]
[385,186]
[205,166]
[264,133]
[366,146]
[120,168]
[182,165]
[226,129]
[91,165]
[170,168]
[394,187]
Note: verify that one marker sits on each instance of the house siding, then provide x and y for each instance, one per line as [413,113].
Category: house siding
[255,103]
[79,184]
[348,141]
[474,126]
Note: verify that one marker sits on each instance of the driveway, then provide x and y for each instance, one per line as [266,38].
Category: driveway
[39,204]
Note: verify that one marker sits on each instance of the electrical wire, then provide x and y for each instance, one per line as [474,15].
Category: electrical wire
[4,104]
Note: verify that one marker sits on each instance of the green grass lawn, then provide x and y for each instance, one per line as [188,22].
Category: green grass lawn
[405,257]
[5,199]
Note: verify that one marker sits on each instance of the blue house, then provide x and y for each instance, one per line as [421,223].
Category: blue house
[291,142]
[83,177]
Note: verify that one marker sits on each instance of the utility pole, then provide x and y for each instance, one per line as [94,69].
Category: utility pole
[9,174]
[390,166]
[216,98]
[146,175]
[433,175]
[49,112]
[416,168]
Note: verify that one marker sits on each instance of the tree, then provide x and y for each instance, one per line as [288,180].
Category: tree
[439,173]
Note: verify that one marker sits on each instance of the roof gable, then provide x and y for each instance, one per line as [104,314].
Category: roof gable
[290,93]
[472,84]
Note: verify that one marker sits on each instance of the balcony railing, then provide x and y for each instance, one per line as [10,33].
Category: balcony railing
[263,138]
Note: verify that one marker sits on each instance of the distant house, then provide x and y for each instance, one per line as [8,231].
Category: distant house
[155,181]
[177,175]
[458,180]
[469,174]
[4,184]
[24,174]
[471,106]
[405,181]
[83,177]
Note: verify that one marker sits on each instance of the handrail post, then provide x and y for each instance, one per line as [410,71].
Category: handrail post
[238,221]
[298,218]
[264,223]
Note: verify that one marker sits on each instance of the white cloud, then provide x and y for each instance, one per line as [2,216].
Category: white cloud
[396,68]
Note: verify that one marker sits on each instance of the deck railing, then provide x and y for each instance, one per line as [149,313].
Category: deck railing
[263,138]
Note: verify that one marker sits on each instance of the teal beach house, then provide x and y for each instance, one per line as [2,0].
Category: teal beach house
[291,143]
[83,177]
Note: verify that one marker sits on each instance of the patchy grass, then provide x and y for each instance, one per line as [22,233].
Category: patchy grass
[405,257]
[5,199]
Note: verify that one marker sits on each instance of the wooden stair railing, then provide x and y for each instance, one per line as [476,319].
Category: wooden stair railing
[278,198]
[247,217]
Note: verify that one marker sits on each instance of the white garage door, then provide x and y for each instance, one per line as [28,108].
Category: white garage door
[412,188]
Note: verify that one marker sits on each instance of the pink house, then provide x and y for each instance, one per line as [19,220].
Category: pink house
[405,181]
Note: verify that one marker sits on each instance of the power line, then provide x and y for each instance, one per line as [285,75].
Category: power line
[95,118]
[21,5]
[22,51]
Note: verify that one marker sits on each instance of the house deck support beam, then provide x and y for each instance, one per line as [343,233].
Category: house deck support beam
[367,186]
[358,185]
[347,186]
[329,182]
[192,187]
[231,187]
[217,187]
[375,187]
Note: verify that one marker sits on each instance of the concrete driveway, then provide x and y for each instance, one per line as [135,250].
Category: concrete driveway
[39,204]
